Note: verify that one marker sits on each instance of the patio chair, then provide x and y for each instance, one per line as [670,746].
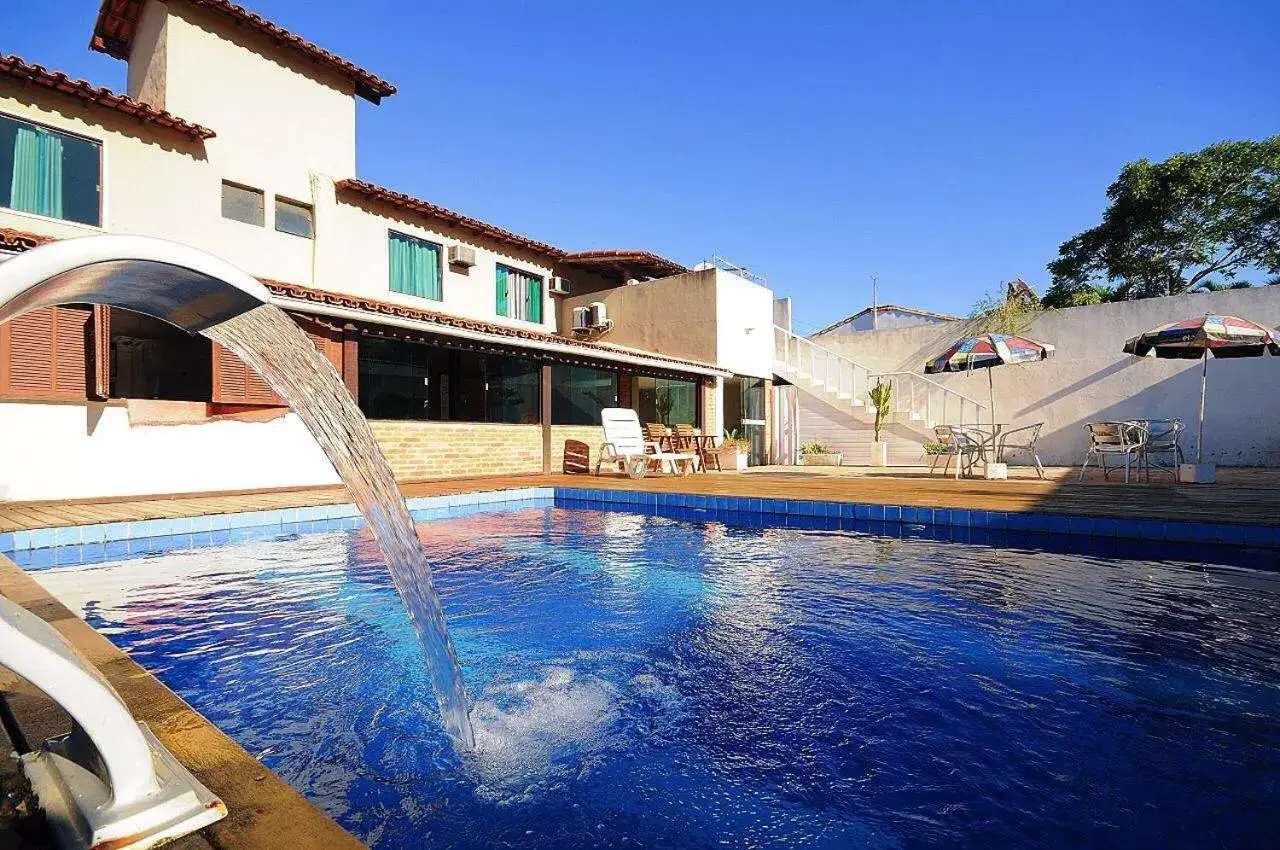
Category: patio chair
[687,439]
[626,448]
[1123,440]
[1161,440]
[1022,441]
[656,432]
[960,443]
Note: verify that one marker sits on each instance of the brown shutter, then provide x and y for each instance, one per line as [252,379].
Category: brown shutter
[44,354]
[100,348]
[235,382]
[328,340]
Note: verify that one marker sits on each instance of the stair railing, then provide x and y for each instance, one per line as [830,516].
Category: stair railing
[933,402]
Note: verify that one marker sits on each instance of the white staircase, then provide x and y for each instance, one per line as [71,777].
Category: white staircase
[918,403]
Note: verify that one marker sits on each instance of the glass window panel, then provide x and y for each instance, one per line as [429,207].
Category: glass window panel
[240,203]
[519,294]
[579,393]
[666,400]
[513,390]
[293,217]
[414,266]
[49,173]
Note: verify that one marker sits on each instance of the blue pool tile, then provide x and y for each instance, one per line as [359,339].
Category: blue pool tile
[41,538]
[1254,535]
[1059,524]
[1128,528]
[847,510]
[1149,529]
[1104,527]
[21,540]
[924,516]
[961,518]
[1235,535]
[1080,524]
[893,513]
[909,514]
[201,523]
[941,516]
[877,513]
[96,533]
[6,541]
[1017,521]
[862,512]
[998,520]
[67,536]
[756,505]
[41,558]
[978,519]
[1038,523]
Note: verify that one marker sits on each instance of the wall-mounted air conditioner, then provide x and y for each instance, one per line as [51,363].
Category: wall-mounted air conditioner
[462,255]
[559,286]
[592,319]
[582,318]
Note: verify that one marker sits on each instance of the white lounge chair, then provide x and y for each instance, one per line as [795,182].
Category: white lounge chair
[626,448]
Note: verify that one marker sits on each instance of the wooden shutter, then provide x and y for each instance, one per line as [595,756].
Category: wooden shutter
[236,383]
[43,354]
[100,352]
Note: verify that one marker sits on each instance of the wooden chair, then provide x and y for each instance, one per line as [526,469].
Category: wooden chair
[656,432]
[687,439]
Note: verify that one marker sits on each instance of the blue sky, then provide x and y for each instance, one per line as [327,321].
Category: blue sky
[942,147]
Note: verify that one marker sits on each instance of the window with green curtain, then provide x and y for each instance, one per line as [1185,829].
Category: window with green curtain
[49,173]
[415,266]
[519,294]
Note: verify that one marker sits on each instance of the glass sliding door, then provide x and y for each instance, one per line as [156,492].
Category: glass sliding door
[744,412]
[666,400]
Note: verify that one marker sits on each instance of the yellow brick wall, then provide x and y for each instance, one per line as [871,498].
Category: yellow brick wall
[459,449]
[592,435]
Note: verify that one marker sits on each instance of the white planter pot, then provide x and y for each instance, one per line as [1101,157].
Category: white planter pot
[879,454]
[826,459]
[996,471]
[1197,473]
[740,461]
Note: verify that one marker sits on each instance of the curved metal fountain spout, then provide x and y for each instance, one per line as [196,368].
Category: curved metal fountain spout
[203,294]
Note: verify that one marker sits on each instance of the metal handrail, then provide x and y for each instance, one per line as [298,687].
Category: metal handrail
[918,385]
[837,373]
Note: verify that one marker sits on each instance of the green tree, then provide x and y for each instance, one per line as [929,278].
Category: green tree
[1192,222]
[1009,312]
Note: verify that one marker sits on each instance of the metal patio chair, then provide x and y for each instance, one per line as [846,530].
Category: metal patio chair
[961,443]
[1022,441]
[1161,440]
[1123,440]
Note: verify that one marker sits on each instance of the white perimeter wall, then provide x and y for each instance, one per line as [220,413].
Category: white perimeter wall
[1091,380]
[744,326]
[71,451]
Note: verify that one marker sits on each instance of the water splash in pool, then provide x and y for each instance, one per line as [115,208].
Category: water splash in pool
[281,352]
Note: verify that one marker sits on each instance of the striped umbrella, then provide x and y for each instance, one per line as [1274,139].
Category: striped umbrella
[1196,339]
[987,350]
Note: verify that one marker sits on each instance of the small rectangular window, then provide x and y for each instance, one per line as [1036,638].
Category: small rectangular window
[414,265]
[240,203]
[49,173]
[519,295]
[293,217]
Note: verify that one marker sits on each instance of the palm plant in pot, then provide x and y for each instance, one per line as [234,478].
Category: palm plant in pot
[734,451]
[881,397]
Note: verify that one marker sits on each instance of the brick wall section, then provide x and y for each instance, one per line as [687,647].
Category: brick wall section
[624,389]
[592,435]
[708,393]
[460,449]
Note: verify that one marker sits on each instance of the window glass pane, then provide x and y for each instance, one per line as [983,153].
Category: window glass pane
[579,393]
[668,401]
[513,390]
[242,204]
[414,266]
[292,217]
[395,379]
[49,173]
[519,295]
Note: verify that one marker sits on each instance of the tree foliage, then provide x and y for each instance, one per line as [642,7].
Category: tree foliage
[1008,312]
[1195,221]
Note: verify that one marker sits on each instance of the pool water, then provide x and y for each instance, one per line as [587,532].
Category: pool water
[652,681]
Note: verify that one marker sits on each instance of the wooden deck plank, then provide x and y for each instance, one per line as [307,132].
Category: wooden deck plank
[1248,503]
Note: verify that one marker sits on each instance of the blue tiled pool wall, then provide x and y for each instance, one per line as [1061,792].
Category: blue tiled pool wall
[954,518]
[107,541]
[147,534]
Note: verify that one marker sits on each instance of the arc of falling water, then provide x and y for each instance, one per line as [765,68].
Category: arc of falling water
[282,353]
[198,292]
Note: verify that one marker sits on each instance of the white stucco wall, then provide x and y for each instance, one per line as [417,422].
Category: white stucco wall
[1090,379]
[744,326]
[71,451]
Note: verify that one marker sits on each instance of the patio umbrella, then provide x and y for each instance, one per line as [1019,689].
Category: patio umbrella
[1196,339]
[985,351]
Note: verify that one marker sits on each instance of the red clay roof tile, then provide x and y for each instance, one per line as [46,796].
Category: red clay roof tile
[118,22]
[624,263]
[16,68]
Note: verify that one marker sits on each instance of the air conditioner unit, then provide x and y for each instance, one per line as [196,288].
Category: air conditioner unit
[559,286]
[582,318]
[599,315]
[462,255]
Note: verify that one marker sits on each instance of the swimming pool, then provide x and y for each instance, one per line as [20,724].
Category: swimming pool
[695,680]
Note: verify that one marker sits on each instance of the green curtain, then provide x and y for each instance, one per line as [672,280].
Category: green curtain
[503,309]
[37,172]
[415,267]
[533,296]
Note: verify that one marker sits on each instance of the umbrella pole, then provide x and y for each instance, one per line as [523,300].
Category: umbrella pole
[1204,380]
[991,396]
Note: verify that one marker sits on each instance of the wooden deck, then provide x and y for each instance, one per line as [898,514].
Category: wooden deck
[1245,496]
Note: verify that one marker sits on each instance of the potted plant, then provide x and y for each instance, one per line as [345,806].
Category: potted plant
[819,454]
[734,451]
[881,396]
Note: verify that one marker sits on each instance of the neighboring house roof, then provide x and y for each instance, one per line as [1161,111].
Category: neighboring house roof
[118,22]
[623,264]
[426,208]
[882,308]
[18,240]
[16,68]
[501,333]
